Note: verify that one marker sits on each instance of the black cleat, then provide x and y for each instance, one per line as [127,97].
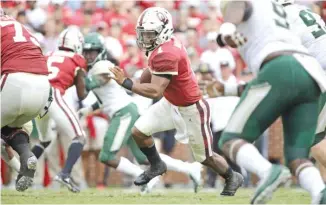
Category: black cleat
[149,174]
[67,181]
[232,184]
[26,174]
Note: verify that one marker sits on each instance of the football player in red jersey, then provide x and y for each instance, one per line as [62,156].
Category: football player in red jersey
[25,92]
[182,106]
[67,67]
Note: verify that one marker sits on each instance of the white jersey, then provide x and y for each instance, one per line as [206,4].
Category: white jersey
[113,97]
[310,28]
[267,31]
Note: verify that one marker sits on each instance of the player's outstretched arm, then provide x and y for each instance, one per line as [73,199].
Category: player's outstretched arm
[234,12]
[217,89]
[153,90]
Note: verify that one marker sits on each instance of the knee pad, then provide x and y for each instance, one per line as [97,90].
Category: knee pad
[79,139]
[306,163]
[225,137]
[9,133]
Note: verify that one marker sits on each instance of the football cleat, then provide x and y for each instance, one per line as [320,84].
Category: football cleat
[278,175]
[232,184]
[153,171]
[25,177]
[67,181]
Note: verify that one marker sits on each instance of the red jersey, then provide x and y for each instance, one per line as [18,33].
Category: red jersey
[20,51]
[171,58]
[63,67]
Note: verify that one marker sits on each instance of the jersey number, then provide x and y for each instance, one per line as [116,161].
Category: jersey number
[281,16]
[52,69]
[310,21]
[19,37]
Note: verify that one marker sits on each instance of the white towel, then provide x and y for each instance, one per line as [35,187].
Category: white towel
[180,125]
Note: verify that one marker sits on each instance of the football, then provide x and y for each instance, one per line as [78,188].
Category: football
[146,76]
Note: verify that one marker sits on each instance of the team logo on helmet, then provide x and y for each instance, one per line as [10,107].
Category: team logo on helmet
[162,17]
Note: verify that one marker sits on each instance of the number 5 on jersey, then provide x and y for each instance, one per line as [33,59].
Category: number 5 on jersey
[53,69]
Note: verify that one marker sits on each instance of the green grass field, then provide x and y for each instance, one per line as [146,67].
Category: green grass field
[125,196]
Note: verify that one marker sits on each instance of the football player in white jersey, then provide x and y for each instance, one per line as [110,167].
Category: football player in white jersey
[288,84]
[123,113]
[311,29]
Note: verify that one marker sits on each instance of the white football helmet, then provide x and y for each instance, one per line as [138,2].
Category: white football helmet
[154,27]
[72,39]
[282,2]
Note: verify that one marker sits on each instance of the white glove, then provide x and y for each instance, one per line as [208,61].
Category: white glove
[229,35]
[84,111]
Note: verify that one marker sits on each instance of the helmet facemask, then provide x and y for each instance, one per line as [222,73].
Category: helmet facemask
[93,55]
[148,39]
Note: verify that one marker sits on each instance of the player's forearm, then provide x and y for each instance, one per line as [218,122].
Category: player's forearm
[80,85]
[147,90]
[82,93]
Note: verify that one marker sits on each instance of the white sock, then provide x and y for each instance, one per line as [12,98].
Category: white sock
[129,168]
[175,164]
[311,180]
[14,163]
[250,159]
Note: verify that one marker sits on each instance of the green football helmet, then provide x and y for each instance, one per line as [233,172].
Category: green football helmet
[94,49]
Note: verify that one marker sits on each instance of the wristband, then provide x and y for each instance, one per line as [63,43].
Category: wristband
[230,89]
[127,83]
[220,41]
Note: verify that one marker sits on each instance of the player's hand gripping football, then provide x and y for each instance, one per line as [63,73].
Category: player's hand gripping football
[119,75]
[215,89]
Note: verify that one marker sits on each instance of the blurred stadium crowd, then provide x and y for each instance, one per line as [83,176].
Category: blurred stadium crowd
[196,25]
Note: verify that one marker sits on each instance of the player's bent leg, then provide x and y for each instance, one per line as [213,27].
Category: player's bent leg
[147,146]
[19,141]
[299,128]
[197,119]
[299,125]
[118,135]
[255,112]
[67,122]
[156,119]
